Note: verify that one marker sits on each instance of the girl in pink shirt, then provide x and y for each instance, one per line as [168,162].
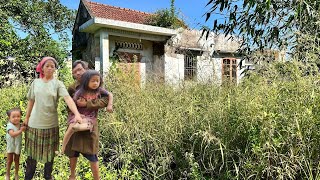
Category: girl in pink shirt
[90,89]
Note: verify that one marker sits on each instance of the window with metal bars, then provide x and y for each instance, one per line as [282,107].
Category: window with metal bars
[190,67]
[229,69]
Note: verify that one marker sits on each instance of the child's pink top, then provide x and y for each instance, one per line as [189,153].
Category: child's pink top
[90,114]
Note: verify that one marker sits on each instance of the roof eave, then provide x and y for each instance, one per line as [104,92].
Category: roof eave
[96,23]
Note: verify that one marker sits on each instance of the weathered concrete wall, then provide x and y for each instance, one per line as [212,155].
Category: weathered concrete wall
[205,69]
[188,40]
[222,43]
[218,70]
[192,39]
[158,68]
[88,54]
[147,58]
[174,69]
[143,75]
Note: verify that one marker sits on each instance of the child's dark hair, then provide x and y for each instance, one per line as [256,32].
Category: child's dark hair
[12,110]
[85,78]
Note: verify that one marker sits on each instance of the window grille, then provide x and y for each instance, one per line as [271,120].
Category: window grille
[129,45]
[190,67]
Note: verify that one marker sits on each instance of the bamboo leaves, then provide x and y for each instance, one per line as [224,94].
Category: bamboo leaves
[271,22]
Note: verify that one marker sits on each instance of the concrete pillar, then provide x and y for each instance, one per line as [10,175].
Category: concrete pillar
[174,69]
[104,53]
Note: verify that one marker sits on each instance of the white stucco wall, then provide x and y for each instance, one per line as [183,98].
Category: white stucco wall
[104,54]
[239,71]
[225,43]
[218,69]
[174,69]
[192,39]
[143,73]
[205,69]
[97,64]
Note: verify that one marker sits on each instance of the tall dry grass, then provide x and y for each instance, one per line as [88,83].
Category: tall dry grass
[267,127]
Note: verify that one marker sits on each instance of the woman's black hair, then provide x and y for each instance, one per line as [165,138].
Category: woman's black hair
[12,110]
[83,64]
[85,78]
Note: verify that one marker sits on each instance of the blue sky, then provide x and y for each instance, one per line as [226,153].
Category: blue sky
[191,11]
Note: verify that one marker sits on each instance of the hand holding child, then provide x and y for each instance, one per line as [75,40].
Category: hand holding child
[81,102]
[25,122]
[110,103]
[109,108]
[23,128]
[78,118]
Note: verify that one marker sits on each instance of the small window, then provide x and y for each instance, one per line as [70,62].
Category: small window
[229,69]
[190,67]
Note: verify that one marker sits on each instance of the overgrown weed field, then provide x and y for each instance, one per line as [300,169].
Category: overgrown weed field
[262,128]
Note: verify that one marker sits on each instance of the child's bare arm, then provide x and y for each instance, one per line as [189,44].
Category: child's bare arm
[13,133]
[97,103]
[110,102]
[81,102]
[101,102]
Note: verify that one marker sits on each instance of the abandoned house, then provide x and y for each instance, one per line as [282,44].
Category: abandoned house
[103,34]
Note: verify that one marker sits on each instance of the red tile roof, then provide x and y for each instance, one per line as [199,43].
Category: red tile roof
[116,13]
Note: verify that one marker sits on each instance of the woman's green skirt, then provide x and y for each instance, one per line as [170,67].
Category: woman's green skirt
[41,144]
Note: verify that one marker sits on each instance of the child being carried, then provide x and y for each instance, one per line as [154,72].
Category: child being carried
[90,89]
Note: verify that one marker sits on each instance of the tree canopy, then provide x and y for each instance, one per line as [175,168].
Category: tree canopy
[293,25]
[39,21]
[167,18]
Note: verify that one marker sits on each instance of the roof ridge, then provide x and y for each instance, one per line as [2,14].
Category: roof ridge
[88,1]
